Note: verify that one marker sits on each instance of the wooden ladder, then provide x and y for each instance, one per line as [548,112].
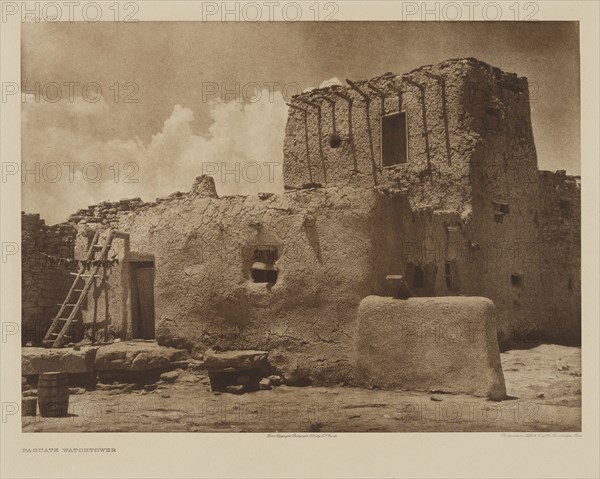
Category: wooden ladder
[56,334]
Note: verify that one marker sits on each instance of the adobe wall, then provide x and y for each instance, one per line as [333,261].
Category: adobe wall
[442,132]
[471,153]
[559,239]
[336,245]
[514,214]
[45,283]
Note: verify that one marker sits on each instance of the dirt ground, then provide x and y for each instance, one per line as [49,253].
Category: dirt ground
[544,385]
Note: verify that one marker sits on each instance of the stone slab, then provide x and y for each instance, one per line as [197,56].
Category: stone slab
[137,356]
[437,343]
[36,361]
[234,360]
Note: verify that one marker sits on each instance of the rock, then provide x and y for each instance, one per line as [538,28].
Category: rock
[195,365]
[204,186]
[436,399]
[265,384]
[541,395]
[275,380]
[170,377]
[30,393]
[234,360]
[165,396]
[243,379]
[150,387]
[110,387]
[137,356]
[36,361]
[265,196]
[76,390]
[190,378]
[236,389]
[181,364]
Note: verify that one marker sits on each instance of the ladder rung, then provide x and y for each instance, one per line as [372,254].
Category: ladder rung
[78,290]
[67,304]
[98,246]
[85,275]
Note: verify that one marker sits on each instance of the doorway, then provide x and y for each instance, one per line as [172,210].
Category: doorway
[142,299]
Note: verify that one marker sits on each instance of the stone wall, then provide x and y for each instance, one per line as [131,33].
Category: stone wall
[45,283]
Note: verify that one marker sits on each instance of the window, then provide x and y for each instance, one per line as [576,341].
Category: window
[500,209]
[516,280]
[493,118]
[418,277]
[421,278]
[263,268]
[394,139]
[448,272]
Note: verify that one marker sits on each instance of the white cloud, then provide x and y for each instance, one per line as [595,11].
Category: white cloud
[325,84]
[241,138]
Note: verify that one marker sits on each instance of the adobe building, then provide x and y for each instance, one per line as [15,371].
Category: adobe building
[431,175]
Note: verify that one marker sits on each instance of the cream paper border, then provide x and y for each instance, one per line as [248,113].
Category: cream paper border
[158,455]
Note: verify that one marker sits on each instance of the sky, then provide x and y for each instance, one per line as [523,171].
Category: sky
[119,110]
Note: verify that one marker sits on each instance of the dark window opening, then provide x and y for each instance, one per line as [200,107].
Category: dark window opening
[516,280]
[451,274]
[418,277]
[394,139]
[335,140]
[493,118]
[263,276]
[263,268]
[421,279]
[565,206]
[570,283]
[500,209]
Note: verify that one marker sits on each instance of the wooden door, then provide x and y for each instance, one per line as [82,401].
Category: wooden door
[142,300]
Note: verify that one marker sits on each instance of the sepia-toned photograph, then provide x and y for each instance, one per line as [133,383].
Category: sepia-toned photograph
[299,239]
[350,233]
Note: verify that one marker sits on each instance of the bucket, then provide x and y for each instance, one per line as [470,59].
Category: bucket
[53,394]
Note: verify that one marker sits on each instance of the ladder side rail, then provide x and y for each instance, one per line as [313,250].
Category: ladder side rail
[85,289]
[79,272]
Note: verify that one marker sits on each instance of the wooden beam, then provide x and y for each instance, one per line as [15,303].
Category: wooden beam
[355,87]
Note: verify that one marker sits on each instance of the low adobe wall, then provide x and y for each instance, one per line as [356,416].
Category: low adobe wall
[425,344]
[335,246]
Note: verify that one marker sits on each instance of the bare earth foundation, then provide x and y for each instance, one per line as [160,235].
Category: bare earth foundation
[544,382]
